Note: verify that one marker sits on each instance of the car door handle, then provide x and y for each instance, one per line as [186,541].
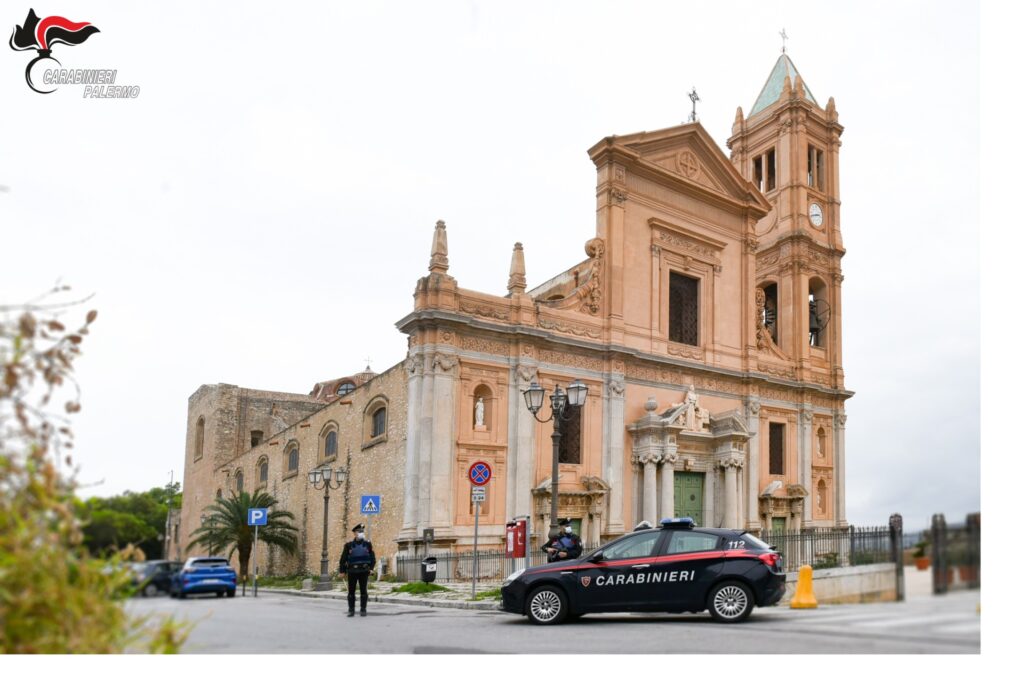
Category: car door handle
[640,566]
[568,572]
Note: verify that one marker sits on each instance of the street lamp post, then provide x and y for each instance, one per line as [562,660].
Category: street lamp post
[575,395]
[321,479]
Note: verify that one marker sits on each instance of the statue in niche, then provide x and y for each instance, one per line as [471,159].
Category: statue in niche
[479,412]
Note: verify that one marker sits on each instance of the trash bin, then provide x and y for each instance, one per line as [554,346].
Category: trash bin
[428,569]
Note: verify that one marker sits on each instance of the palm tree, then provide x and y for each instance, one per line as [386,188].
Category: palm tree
[228,527]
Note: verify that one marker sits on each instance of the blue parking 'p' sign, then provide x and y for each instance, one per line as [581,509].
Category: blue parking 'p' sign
[257,516]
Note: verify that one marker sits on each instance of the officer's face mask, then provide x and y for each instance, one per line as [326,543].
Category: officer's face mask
[568,529]
[360,535]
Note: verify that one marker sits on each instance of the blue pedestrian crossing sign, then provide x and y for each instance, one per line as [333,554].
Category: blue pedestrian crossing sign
[257,516]
[370,505]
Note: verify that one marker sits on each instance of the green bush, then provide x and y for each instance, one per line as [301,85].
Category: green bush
[826,561]
[54,596]
[419,587]
[493,594]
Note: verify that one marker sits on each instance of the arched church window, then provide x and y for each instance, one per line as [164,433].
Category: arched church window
[292,449]
[375,421]
[263,470]
[329,442]
[380,421]
[345,388]
[819,312]
[239,481]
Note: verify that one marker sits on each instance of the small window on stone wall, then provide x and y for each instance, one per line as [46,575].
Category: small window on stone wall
[263,471]
[200,436]
[380,422]
[329,443]
[571,443]
[375,420]
[239,481]
[219,494]
[293,458]
[255,438]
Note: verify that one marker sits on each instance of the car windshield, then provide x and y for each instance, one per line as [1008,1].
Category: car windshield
[755,542]
[210,563]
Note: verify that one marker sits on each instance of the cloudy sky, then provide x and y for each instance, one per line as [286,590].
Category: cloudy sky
[260,213]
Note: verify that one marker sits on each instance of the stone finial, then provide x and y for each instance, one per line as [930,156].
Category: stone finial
[517,271]
[651,405]
[439,250]
[799,86]
[737,123]
[830,110]
[787,88]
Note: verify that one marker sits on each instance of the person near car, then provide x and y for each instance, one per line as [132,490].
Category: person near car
[565,546]
[357,560]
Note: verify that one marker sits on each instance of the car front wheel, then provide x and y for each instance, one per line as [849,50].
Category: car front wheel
[730,602]
[149,591]
[546,606]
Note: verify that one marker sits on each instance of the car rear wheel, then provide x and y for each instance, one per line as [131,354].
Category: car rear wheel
[546,606]
[149,591]
[231,593]
[730,602]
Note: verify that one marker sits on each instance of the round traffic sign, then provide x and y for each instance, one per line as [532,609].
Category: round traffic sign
[479,473]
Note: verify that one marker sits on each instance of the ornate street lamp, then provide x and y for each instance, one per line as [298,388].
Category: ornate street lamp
[321,479]
[575,395]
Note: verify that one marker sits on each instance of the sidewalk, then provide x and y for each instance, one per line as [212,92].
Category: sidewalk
[456,596]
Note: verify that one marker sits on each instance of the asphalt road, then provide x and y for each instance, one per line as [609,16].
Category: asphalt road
[282,624]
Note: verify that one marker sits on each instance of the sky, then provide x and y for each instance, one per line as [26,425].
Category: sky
[260,213]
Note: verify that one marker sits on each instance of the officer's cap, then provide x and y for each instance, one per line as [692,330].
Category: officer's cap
[565,522]
[358,527]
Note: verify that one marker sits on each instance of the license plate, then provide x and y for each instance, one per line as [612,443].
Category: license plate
[210,581]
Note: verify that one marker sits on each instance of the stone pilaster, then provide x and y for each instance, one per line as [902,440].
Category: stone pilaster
[414,366]
[668,483]
[425,442]
[805,421]
[731,465]
[650,463]
[442,454]
[839,449]
[753,473]
[614,465]
[521,457]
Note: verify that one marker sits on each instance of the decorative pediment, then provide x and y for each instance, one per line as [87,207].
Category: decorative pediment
[684,155]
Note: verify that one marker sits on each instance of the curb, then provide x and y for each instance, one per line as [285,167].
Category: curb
[342,595]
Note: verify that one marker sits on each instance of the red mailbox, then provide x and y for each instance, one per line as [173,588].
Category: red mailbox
[515,538]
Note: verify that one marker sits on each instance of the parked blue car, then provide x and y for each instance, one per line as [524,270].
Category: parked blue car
[204,575]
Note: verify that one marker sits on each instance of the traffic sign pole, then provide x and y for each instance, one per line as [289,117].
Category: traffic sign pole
[476,530]
[255,564]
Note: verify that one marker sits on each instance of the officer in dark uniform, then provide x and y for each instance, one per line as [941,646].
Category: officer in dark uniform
[567,546]
[357,561]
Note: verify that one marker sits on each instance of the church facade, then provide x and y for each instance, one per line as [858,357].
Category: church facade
[704,318]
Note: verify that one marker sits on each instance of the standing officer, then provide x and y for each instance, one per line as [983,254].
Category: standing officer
[567,546]
[357,560]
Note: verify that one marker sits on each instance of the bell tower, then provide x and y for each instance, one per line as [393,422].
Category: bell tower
[788,147]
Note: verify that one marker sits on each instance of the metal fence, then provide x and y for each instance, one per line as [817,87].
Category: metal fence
[492,565]
[955,553]
[827,548]
[820,548]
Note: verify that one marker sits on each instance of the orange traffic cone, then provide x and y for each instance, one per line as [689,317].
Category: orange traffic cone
[804,596]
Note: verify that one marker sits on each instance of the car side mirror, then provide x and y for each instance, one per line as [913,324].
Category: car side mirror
[597,557]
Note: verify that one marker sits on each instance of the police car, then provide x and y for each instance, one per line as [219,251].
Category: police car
[673,568]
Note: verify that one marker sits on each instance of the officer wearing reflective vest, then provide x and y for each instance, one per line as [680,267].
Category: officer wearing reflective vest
[357,561]
[566,546]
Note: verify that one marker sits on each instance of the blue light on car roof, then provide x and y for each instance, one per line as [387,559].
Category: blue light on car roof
[677,521]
